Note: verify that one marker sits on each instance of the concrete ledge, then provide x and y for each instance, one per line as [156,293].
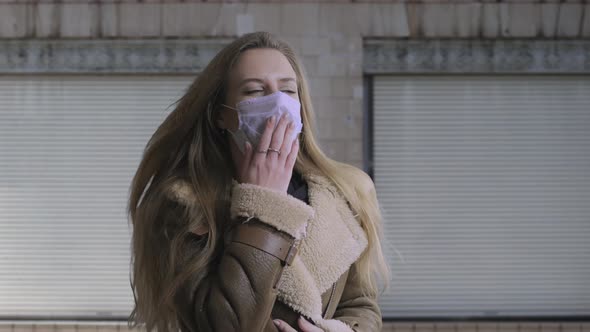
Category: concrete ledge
[476,56]
[107,56]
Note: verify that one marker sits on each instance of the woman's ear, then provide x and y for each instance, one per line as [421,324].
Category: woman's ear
[220,121]
[226,118]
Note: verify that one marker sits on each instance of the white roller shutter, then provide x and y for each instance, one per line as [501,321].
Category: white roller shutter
[485,186]
[69,146]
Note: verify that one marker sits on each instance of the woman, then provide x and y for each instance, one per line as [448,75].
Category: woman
[241,224]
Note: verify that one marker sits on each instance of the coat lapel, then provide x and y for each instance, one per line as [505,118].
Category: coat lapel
[334,241]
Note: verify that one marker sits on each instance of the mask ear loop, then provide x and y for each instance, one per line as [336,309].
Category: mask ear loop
[233,108]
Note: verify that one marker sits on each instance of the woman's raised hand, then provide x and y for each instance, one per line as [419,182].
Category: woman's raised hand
[271,163]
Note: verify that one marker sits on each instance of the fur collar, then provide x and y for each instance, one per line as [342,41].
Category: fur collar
[334,240]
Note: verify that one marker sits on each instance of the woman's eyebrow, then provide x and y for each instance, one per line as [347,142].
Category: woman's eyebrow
[258,80]
[288,79]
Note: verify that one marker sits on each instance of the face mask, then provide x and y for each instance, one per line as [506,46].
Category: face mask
[253,114]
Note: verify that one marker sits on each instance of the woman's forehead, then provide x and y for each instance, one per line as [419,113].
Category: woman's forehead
[262,64]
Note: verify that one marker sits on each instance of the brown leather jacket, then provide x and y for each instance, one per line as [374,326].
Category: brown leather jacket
[285,258]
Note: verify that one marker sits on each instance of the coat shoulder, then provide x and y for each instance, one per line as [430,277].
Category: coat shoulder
[181,191]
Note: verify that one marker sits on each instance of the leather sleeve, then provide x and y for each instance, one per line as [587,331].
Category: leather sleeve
[239,292]
[238,295]
[358,311]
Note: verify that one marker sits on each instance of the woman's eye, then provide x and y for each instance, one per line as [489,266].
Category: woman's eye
[252,92]
[289,91]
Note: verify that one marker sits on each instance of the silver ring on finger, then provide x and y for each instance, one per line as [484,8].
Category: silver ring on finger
[275,150]
[262,151]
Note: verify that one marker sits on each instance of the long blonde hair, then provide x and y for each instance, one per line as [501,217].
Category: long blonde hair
[188,144]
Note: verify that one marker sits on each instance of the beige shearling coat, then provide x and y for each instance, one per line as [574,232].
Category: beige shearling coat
[249,287]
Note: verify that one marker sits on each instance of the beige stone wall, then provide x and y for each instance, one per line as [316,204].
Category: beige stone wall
[329,38]
[328,35]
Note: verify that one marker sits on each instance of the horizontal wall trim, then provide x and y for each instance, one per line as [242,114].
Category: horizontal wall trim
[118,56]
[381,56]
[444,56]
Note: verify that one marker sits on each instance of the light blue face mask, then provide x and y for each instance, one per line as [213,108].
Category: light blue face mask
[253,113]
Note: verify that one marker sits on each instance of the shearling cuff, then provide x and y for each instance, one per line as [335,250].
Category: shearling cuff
[334,325]
[278,209]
